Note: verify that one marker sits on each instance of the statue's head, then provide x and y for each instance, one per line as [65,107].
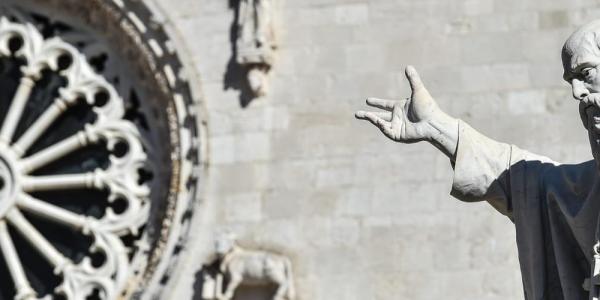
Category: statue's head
[581,65]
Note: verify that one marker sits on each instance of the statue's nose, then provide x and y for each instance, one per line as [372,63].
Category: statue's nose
[579,90]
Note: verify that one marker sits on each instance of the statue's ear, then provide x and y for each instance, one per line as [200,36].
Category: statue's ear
[583,114]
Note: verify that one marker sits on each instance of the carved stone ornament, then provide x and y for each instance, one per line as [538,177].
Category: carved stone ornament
[250,267]
[255,44]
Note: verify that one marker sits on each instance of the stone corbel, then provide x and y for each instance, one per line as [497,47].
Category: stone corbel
[255,42]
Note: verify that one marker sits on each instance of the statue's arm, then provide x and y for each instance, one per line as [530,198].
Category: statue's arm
[480,163]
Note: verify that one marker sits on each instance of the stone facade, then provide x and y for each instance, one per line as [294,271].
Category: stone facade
[294,172]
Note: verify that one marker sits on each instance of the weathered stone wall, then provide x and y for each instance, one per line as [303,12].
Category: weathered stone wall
[363,217]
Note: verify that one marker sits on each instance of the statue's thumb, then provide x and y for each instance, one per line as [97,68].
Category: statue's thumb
[413,78]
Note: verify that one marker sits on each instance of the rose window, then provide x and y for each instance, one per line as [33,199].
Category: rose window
[95,162]
[105,270]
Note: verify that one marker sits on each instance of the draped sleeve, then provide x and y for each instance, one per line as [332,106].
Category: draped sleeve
[482,169]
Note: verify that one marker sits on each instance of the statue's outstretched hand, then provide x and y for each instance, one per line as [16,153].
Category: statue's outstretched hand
[405,121]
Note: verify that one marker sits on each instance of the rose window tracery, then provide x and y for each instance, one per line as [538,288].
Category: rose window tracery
[120,179]
[97,152]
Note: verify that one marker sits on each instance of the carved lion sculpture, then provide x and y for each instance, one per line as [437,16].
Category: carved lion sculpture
[254,268]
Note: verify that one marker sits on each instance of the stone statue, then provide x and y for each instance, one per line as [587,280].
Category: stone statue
[253,268]
[555,207]
[255,44]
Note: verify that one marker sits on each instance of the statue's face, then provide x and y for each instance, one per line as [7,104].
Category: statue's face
[581,64]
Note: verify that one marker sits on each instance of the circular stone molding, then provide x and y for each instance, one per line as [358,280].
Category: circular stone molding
[98,150]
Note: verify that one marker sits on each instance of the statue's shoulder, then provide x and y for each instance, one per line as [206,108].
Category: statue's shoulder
[576,177]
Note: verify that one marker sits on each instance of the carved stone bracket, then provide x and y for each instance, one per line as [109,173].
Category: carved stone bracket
[256,42]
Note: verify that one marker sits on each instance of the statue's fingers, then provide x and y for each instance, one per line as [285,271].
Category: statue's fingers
[360,115]
[385,115]
[381,103]
[413,78]
[373,118]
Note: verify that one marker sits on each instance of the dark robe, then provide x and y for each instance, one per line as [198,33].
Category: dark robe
[554,208]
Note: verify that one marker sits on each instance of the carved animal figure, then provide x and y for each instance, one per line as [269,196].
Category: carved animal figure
[254,268]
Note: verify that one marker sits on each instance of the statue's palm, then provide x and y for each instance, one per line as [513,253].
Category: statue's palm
[405,120]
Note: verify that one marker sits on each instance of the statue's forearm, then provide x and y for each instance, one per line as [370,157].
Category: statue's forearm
[445,134]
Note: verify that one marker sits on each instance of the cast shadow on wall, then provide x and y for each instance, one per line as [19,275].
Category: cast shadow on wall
[235,74]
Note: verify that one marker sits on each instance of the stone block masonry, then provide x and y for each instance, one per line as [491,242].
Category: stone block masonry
[296,173]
